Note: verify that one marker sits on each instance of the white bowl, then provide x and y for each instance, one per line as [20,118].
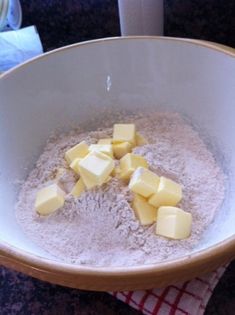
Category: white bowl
[71,85]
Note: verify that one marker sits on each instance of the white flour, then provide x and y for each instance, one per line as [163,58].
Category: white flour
[100,228]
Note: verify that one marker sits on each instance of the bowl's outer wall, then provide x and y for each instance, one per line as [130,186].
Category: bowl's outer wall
[74,84]
[133,278]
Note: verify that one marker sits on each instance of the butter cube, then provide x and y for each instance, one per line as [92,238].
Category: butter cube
[146,213]
[107,179]
[167,210]
[129,163]
[116,171]
[49,199]
[78,188]
[95,168]
[105,141]
[78,151]
[121,149]
[124,133]
[173,222]
[103,148]
[144,182]
[169,193]
[140,140]
[75,164]
[89,183]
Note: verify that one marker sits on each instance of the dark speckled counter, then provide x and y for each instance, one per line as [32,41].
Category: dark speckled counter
[65,22]
[20,294]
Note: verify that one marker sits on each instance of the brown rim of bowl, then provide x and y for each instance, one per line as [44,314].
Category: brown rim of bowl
[225,247]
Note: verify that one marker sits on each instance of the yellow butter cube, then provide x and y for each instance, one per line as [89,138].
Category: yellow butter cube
[105,141]
[173,222]
[49,199]
[140,140]
[144,182]
[107,179]
[116,171]
[75,164]
[121,149]
[146,213]
[95,168]
[78,151]
[169,193]
[103,148]
[78,188]
[124,133]
[129,163]
[89,182]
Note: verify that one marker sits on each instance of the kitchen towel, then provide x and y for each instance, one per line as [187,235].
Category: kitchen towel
[188,298]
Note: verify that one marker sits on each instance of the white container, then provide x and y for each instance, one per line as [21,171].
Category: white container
[141,17]
[73,85]
[10,15]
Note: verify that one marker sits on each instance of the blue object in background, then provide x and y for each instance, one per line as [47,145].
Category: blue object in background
[18,46]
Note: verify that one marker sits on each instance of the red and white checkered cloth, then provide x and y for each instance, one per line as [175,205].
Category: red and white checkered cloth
[189,298]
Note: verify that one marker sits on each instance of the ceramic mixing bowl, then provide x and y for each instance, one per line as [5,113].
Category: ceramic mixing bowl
[72,85]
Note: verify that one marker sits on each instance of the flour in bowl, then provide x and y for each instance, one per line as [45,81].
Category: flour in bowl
[100,228]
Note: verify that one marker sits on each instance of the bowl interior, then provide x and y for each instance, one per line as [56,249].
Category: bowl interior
[74,85]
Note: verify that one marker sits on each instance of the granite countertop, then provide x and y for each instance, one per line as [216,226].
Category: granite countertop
[20,294]
[65,22]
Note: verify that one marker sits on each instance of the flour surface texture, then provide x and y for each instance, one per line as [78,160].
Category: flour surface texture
[99,228]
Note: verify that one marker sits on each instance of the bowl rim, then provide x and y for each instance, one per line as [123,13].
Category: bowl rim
[227,246]
[203,43]
[187,261]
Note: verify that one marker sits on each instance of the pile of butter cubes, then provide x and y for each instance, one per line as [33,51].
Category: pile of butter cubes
[155,198]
